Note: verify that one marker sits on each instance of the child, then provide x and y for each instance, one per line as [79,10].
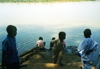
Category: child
[59,48]
[40,44]
[51,43]
[86,49]
[10,59]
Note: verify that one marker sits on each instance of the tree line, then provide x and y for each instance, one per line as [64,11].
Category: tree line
[43,0]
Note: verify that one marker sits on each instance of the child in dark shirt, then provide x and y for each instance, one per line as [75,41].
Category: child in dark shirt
[10,59]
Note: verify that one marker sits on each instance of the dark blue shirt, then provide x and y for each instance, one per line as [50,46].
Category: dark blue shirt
[9,45]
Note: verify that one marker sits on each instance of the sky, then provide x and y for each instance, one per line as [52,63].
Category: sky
[71,14]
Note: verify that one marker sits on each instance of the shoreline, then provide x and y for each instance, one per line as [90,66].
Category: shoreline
[34,59]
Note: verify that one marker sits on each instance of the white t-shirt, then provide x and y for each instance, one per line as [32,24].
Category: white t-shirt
[40,43]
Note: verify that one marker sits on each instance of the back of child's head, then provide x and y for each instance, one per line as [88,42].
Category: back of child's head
[40,38]
[53,38]
[87,33]
[11,29]
[62,35]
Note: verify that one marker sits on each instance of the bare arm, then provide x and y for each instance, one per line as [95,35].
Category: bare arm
[88,52]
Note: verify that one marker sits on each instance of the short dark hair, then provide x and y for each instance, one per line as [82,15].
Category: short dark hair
[53,38]
[40,38]
[87,33]
[10,29]
[61,34]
